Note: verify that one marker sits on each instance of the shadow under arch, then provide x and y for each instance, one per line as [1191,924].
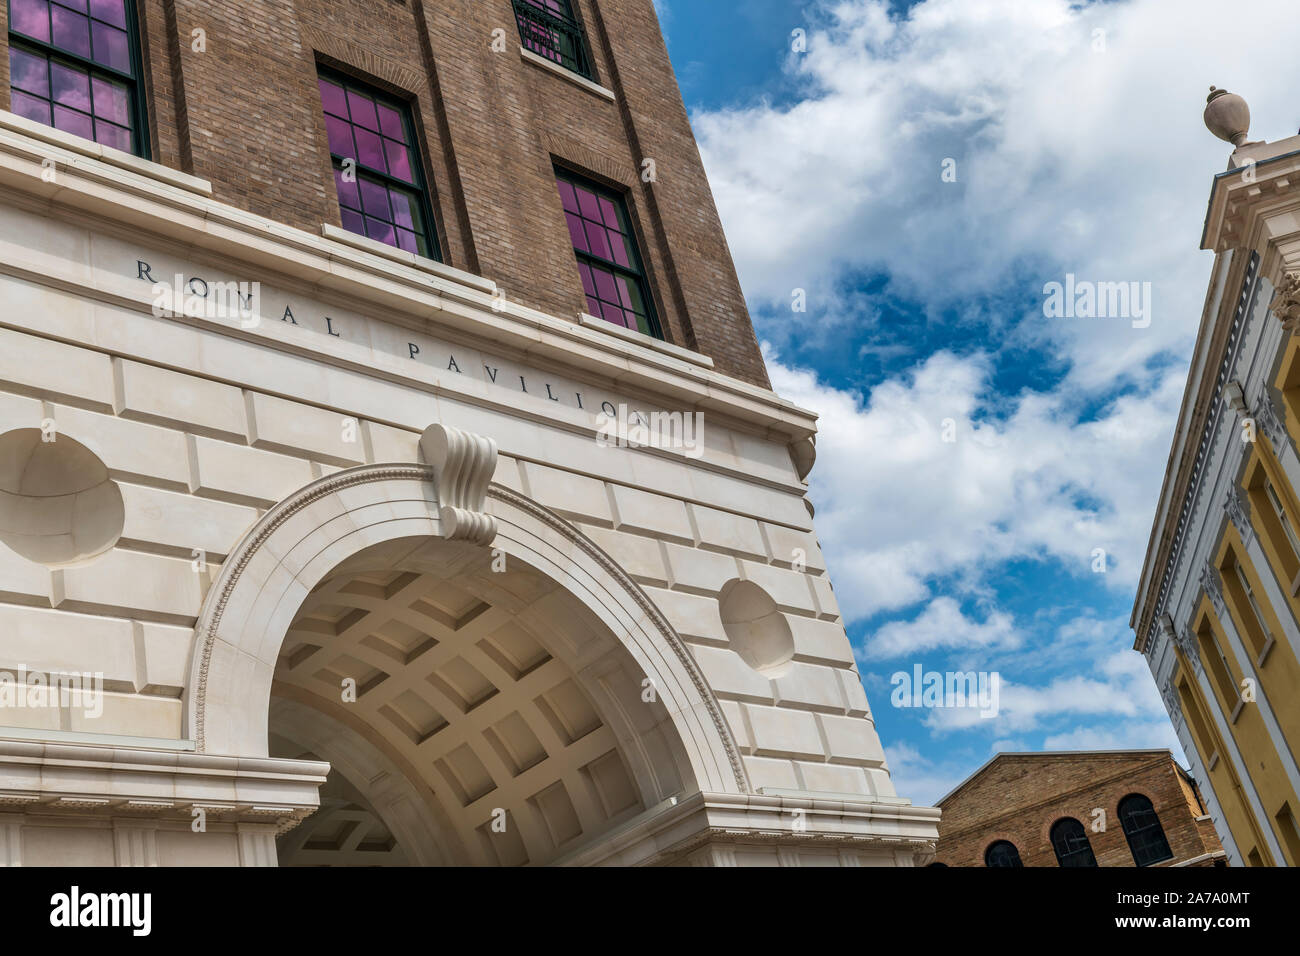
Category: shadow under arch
[296,544]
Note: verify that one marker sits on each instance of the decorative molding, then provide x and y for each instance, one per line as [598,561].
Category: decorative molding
[1172,704]
[1213,586]
[1238,509]
[1286,302]
[1268,422]
[464,463]
[275,518]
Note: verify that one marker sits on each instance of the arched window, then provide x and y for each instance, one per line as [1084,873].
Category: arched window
[1070,842]
[1146,837]
[1002,853]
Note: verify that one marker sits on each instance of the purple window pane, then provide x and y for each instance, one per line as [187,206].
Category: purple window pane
[106,134]
[576,233]
[348,195]
[567,197]
[340,135]
[353,222]
[71,31]
[28,72]
[399,163]
[374,199]
[605,287]
[403,209]
[588,204]
[331,95]
[363,111]
[111,47]
[78,5]
[380,231]
[614,314]
[588,284]
[30,107]
[597,242]
[112,102]
[406,240]
[593,306]
[390,123]
[71,121]
[618,243]
[71,87]
[610,214]
[369,150]
[624,292]
[110,11]
[30,18]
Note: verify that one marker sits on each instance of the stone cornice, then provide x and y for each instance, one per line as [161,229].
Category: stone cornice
[172,209]
[45,777]
[666,833]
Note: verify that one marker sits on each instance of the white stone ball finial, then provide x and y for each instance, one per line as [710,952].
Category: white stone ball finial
[1227,116]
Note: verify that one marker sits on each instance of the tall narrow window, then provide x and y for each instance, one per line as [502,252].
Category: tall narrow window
[1282,516]
[1070,841]
[377,169]
[75,65]
[1002,854]
[608,260]
[550,29]
[1258,634]
[1216,662]
[1146,837]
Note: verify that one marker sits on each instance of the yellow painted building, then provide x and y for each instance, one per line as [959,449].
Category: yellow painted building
[1218,608]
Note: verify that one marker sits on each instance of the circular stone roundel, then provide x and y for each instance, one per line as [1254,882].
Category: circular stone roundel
[58,507]
[756,628]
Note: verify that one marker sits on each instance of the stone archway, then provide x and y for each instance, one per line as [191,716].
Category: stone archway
[389,520]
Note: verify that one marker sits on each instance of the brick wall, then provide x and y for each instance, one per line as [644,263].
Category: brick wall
[245,113]
[1018,797]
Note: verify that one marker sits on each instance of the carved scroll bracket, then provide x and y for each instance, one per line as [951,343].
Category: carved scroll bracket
[464,464]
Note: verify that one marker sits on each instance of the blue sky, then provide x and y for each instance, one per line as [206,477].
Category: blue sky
[1075,133]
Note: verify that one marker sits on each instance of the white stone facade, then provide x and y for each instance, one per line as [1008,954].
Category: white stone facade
[619,655]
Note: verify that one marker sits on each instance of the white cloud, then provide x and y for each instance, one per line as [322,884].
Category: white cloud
[898,507]
[1089,161]
[941,625]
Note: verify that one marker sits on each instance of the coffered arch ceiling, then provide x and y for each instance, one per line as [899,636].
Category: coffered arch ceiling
[480,695]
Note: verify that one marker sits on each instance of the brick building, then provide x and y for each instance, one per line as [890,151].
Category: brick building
[1083,808]
[388,469]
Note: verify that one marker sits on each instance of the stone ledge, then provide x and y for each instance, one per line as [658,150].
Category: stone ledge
[645,341]
[528,56]
[114,157]
[365,244]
